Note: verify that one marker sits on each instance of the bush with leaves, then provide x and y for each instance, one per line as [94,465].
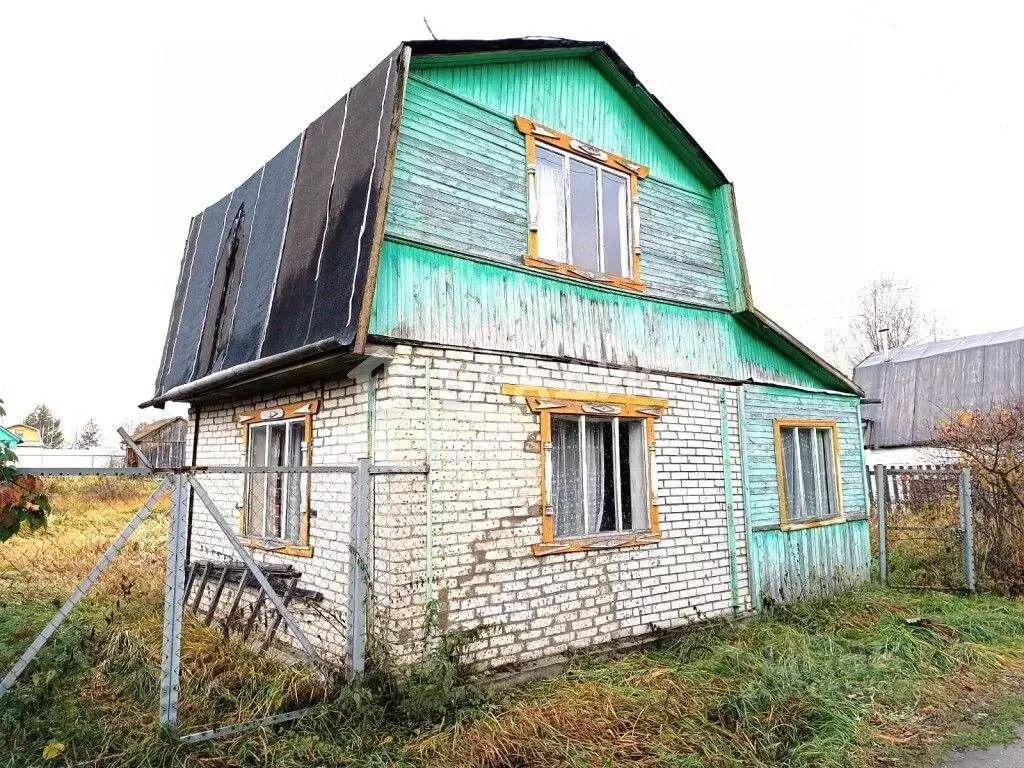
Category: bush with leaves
[21,499]
[991,443]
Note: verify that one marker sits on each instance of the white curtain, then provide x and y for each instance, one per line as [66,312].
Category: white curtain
[597,483]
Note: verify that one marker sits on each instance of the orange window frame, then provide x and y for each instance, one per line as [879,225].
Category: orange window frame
[547,402]
[534,132]
[780,466]
[304,410]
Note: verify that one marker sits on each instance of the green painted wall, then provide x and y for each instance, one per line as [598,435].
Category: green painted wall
[460,184]
[815,562]
[426,295]
[791,564]
[569,94]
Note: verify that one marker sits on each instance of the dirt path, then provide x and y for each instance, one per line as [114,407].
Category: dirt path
[1009,756]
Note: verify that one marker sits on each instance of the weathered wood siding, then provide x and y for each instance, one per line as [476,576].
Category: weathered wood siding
[424,295]
[569,94]
[800,565]
[795,564]
[460,185]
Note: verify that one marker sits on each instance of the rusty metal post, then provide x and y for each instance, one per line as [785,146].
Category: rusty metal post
[880,499]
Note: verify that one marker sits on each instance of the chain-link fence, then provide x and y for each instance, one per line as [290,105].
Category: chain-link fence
[922,526]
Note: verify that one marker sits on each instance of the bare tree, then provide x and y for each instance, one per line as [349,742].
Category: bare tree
[885,303]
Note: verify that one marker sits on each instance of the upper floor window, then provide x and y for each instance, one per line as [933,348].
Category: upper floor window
[582,214]
[583,208]
[806,452]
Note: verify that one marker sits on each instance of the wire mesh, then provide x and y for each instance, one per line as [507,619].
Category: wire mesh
[924,534]
[106,653]
[296,527]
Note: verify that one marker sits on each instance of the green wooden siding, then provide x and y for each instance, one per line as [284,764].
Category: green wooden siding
[795,564]
[815,562]
[765,404]
[569,94]
[460,185]
[430,296]
[460,177]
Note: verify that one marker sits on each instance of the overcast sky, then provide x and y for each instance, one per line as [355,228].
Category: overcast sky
[862,139]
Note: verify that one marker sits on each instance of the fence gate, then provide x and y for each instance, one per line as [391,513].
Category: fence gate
[923,527]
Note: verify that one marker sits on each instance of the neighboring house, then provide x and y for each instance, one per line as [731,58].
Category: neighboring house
[29,436]
[508,259]
[162,443]
[920,386]
[8,438]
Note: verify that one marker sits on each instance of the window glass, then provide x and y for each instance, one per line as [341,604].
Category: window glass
[583,224]
[809,473]
[293,481]
[551,234]
[633,473]
[600,476]
[614,206]
[257,481]
[599,482]
[567,477]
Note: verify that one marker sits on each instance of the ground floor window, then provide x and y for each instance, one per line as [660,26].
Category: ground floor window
[274,500]
[598,468]
[599,475]
[275,505]
[806,452]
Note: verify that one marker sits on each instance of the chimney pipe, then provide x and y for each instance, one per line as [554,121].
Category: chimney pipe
[884,333]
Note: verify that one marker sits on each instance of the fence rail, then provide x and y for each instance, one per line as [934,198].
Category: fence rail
[924,526]
[158,568]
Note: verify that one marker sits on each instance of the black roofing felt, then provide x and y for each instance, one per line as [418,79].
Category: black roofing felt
[280,263]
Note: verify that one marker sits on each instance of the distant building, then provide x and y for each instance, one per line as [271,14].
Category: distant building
[162,443]
[920,386]
[8,438]
[29,437]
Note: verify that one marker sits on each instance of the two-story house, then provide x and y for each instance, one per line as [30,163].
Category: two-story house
[507,261]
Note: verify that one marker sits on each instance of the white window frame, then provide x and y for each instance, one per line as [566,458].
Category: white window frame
[790,518]
[617,478]
[626,259]
[267,471]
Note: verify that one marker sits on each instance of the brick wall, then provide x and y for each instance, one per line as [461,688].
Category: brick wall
[339,438]
[484,502]
[485,508]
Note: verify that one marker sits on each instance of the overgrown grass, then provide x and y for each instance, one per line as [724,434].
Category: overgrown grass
[869,677]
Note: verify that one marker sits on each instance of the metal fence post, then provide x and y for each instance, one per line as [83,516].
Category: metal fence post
[883,555]
[358,569]
[967,529]
[174,603]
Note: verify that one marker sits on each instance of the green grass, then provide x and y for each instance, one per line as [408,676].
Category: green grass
[867,677]
[870,678]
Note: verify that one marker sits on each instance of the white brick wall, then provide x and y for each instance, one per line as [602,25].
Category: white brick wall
[485,493]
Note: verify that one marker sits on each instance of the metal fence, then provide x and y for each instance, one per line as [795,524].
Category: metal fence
[193,594]
[923,526]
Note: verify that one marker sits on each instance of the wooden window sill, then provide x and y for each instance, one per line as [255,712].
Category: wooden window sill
[568,270]
[800,526]
[295,550]
[596,543]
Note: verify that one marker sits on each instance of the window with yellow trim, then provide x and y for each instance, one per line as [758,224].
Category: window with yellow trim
[598,475]
[809,481]
[598,468]
[275,506]
[275,501]
[583,208]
